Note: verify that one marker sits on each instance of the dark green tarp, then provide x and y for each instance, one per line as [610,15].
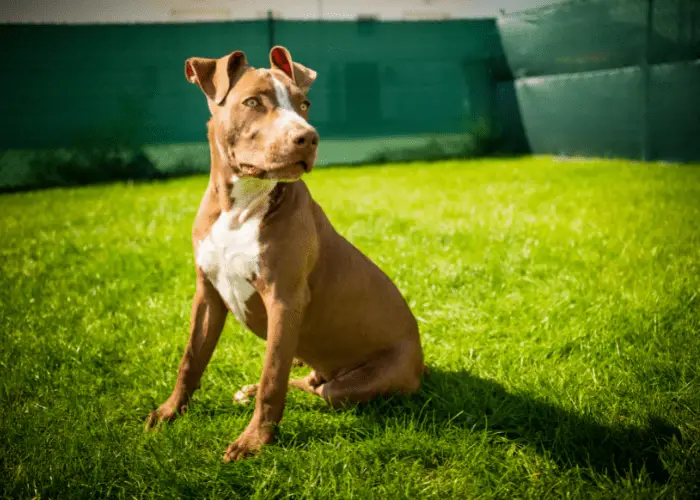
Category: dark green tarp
[71,83]
[612,78]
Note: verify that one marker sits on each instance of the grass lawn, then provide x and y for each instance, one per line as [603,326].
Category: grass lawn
[559,304]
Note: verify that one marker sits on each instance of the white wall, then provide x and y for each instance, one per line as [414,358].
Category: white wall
[120,11]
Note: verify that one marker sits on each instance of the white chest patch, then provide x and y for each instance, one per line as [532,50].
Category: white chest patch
[229,256]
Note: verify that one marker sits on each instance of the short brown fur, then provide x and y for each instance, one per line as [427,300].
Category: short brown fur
[317,297]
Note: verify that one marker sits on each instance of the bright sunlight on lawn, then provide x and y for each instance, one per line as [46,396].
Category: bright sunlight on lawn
[558,303]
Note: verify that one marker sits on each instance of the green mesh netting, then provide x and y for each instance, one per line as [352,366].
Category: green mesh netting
[608,78]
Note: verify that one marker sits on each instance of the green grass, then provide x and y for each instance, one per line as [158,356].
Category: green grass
[558,303]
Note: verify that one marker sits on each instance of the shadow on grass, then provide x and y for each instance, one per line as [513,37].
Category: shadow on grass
[460,399]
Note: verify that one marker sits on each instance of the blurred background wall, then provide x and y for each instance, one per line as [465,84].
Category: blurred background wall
[139,11]
[398,80]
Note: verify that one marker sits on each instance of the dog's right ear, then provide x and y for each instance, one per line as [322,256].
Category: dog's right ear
[281,59]
[216,76]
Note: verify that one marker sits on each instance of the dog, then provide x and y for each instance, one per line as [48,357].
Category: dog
[265,251]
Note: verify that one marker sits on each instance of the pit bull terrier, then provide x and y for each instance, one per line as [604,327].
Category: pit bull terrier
[265,251]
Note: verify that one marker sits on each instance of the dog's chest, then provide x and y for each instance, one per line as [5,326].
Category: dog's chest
[229,256]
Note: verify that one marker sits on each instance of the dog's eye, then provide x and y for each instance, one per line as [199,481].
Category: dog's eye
[251,102]
[305,105]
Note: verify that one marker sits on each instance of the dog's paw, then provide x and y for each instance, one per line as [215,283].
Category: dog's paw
[246,393]
[165,413]
[248,443]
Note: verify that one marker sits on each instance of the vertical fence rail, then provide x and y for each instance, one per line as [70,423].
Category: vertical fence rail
[645,66]
[270,30]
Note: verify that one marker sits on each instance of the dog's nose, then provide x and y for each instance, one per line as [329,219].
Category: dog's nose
[306,139]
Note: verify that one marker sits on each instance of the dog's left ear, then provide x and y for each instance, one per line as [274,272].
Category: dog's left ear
[216,76]
[281,59]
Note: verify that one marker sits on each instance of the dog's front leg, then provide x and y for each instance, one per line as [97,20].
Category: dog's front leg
[283,325]
[206,323]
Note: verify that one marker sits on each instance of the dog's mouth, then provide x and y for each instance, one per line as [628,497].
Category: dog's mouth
[288,172]
[251,170]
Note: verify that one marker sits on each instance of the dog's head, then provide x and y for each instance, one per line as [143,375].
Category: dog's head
[259,116]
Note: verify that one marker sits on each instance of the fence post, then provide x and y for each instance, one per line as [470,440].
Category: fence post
[646,83]
[270,29]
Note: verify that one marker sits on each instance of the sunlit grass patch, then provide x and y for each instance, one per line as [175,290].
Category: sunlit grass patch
[558,303]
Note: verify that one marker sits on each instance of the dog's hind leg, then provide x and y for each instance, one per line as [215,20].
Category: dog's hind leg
[306,384]
[398,369]
[245,394]
[395,370]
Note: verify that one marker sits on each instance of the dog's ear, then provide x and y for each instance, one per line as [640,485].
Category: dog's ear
[216,76]
[281,59]
[304,76]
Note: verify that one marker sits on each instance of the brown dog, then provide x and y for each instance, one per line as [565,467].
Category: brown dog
[266,252]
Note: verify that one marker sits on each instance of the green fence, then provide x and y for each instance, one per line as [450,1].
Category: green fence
[608,77]
[73,83]
[375,79]
[597,78]
[385,91]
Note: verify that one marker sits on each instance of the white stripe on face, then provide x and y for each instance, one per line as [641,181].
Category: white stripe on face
[282,95]
[287,114]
